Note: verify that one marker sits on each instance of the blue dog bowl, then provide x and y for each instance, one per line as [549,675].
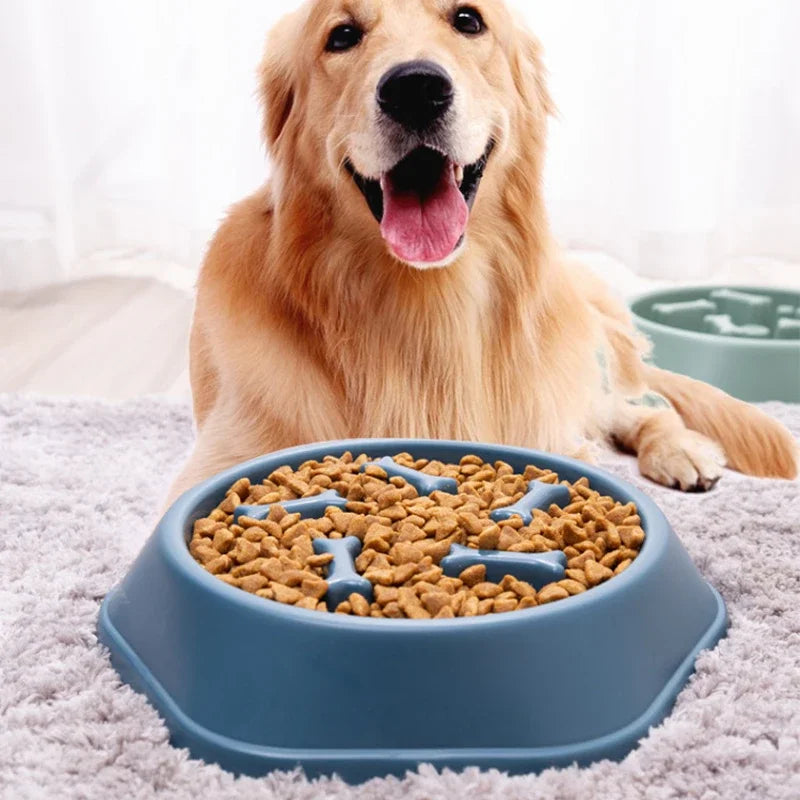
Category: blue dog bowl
[257,685]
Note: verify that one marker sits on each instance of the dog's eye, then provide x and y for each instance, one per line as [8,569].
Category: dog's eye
[344,37]
[468,20]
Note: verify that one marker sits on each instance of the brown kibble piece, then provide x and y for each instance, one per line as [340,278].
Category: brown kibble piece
[450,585]
[272,569]
[469,608]
[229,504]
[205,527]
[434,602]
[596,573]
[503,604]
[631,536]
[485,606]
[219,564]
[386,594]
[322,560]
[241,488]
[285,594]
[276,513]
[579,562]
[612,538]
[406,553]
[551,592]
[522,589]
[430,574]
[393,611]
[403,573]
[314,587]
[385,577]
[471,522]
[577,575]
[473,575]
[489,538]
[252,583]
[293,577]
[202,550]
[254,534]
[573,587]
[572,533]
[223,540]
[410,604]
[622,566]
[359,605]
[245,551]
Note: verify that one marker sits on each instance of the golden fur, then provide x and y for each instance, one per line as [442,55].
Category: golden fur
[307,329]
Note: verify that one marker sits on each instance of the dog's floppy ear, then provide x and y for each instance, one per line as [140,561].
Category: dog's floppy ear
[277,78]
[530,76]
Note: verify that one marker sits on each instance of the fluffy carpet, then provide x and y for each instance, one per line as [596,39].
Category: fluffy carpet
[80,483]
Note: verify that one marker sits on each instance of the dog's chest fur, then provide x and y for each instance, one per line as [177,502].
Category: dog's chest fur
[455,356]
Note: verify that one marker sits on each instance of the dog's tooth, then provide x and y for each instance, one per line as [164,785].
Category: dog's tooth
[459,172]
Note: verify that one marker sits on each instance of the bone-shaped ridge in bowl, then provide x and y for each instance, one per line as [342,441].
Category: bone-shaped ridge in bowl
[732,312]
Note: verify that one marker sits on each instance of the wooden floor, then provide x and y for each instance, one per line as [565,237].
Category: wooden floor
[115,338]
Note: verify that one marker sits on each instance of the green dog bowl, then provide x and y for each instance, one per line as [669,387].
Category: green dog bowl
[745,340]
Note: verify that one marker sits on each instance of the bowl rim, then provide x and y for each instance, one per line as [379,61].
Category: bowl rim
[733,342]
[171,535]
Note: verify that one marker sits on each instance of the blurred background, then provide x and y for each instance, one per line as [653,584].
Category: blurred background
[129,128]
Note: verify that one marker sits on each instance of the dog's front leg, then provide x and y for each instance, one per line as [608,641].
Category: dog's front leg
[226,439]
[668,452]
[210,455]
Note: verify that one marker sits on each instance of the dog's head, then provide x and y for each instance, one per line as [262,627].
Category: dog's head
[400,108]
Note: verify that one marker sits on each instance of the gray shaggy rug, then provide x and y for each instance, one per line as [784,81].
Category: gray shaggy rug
[80,483]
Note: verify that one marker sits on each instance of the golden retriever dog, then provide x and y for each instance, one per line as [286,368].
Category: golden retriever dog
[396,276]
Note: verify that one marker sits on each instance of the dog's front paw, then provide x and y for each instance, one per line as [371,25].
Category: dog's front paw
[682,460]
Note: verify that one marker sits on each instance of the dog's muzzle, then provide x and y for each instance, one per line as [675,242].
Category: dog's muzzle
[423,202]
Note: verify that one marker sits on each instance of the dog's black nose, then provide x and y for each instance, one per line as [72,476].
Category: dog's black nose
[415,94]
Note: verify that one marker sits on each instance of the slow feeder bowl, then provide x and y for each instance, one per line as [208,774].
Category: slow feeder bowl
[256,685]
[744,340]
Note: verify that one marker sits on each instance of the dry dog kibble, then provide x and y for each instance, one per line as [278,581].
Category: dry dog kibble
[596,573]
[473,575]
[551,592]
[359,605]
[405,536]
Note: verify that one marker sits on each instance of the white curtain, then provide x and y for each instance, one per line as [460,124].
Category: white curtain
[128,128]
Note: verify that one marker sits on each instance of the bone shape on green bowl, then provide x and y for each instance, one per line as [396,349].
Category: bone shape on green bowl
[343,579]
[732,312]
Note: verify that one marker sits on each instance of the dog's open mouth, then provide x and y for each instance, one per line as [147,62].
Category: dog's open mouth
[423,203]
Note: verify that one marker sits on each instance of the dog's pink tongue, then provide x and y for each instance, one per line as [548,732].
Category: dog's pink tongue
[424,230]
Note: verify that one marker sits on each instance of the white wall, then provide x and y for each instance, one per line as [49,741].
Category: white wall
[131,126]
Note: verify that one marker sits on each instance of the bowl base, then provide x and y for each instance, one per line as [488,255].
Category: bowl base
[358,765]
